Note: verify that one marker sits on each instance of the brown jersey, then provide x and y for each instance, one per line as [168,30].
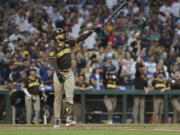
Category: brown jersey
[62,54]
[32,85]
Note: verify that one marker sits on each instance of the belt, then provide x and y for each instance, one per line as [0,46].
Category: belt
[64,70]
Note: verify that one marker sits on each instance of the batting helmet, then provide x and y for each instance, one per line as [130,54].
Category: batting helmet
[58,31]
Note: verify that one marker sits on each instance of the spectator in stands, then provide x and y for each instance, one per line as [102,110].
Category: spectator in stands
[129,68]
[81,62]
[151,66]
[22,78]
[82,86]
[34,66]
[87,71]
[171,58]
[121,75]
[164,67]
[97,79]
[47,78]
[159,68]
[155,49]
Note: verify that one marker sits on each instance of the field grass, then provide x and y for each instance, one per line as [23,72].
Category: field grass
[114,125]
[52,131]
[86,132]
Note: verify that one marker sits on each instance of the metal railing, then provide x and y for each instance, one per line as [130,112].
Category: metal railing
[124,94]
[7,119]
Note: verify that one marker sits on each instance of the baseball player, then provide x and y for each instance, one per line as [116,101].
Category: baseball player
[32,89]
[60,59]
[110,101]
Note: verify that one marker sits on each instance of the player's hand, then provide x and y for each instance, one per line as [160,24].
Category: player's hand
[97,29]
[147,90]
[12,91]
[61,77]
[29,98]
[162,90]
[44,97]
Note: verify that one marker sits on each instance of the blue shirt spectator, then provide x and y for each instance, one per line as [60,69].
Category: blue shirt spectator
[47,78]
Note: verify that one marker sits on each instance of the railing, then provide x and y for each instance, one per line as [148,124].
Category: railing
[7,119]
[124,94]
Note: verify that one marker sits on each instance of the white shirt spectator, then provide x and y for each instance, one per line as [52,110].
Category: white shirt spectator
[151,67]
[175,9]
[55,16]
[32,29]
[111,3]
[22,23]
[177,31]
[129,67]
[136,10]
[84,12]
[125,11]
[75,31]
[90,41]
[14,37]
[166,10]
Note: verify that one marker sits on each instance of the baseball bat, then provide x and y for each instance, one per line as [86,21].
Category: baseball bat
[115,12]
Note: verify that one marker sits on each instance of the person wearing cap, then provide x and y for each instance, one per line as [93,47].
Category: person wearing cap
[82,86]
[32,87]
[60,60]
[162,85]
[140,84]
[34,66]
[175,99]
[97,79]
[110,83]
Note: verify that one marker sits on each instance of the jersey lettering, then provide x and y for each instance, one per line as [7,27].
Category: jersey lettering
[65,51]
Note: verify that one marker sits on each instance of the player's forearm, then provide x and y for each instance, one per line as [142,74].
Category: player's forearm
[78,88]
[89,88]
[84,36]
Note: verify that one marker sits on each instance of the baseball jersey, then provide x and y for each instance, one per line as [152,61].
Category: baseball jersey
[77,98]
[158,85]
[62,54]
[32,85]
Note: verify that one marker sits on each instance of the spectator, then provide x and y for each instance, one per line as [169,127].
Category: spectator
[129,68]
[47,78]
[97,79]
[81,62]
[156,50]
[33,66]
[151,65]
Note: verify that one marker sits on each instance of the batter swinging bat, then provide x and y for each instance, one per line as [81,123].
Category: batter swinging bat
[115,12]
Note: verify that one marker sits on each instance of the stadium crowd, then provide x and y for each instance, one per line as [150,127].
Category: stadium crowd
[135,35]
